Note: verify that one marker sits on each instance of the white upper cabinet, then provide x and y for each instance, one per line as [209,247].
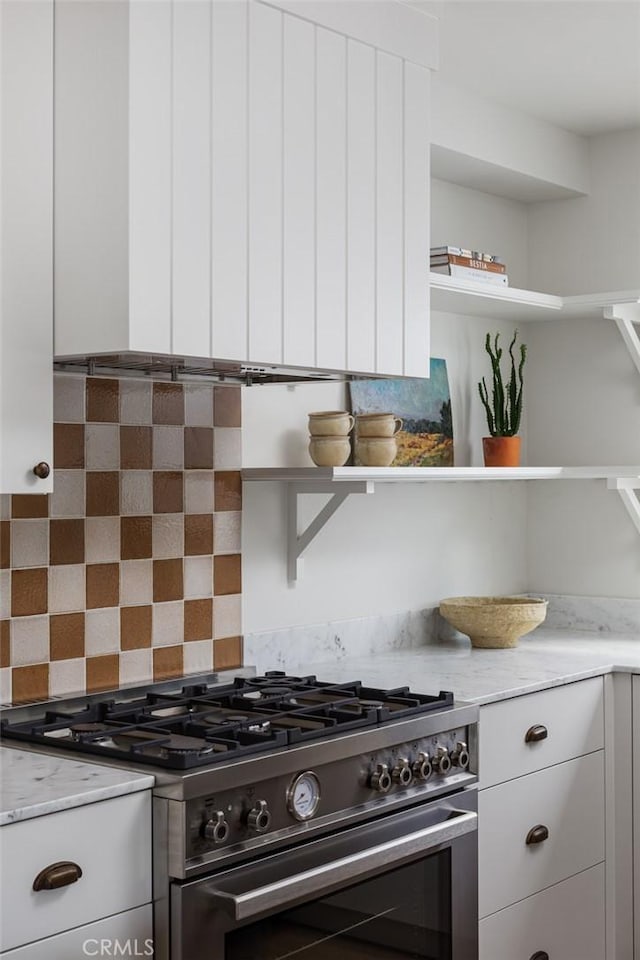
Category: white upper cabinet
[26,245]
[244,181]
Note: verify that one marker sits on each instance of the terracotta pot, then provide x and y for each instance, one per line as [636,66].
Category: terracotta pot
[501,451]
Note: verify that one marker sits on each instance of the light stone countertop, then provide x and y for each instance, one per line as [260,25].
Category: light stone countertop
[34,784]
[545,658]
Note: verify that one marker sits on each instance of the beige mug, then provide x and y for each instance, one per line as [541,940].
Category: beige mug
[378,424]
[329,451]
[330,423]
[376,451]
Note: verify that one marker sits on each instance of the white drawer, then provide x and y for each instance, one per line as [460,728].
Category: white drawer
[110,841]
[128,934]
[571,715]
[569,801]
[566,922]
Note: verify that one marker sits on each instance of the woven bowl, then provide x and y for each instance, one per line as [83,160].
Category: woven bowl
[495,622]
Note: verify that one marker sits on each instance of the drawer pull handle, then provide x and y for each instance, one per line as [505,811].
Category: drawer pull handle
[537,834]
[539,955]
[42,470]
[534,734]
[56,875]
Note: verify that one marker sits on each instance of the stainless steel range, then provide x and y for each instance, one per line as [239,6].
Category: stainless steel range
[294,817]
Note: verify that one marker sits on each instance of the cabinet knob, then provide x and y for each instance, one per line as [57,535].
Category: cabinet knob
[535,733]
[539,955]
[56,875]
[537,834]
[42,470]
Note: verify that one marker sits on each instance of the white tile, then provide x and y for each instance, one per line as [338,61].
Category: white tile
[136,493]
[198,405]
[227,448]
[168,448]
[5,594]
[197,656]
[167,624]
[5,506]
[227,532]
[135,401]
[102,631]
[198,491]
[68,398]
[168,535]
[29,543]
[66,588]
[198,577]
[136,666]
[102,539]
[5,685]
[102,451]
[66,677]
[227,616]
[68,497]
[29,640]
[136,582]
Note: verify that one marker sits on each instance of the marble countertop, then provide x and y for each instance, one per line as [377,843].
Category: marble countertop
[34,784]
[546,658]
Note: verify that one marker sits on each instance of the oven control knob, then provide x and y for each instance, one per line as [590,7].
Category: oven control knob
[259,818]
[441,761]
[422,769]
[460,756]
[381,779]
[216,829]
[401,773]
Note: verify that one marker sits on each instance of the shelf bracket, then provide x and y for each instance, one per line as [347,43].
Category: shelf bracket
[628,488]
[298,543]
[627,317]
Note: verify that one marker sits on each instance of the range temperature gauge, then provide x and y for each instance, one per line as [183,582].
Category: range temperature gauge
[303,796]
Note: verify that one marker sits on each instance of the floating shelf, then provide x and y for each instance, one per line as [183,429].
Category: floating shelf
[341,482]
[488,300]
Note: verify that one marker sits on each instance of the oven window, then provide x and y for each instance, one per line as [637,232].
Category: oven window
[401,914]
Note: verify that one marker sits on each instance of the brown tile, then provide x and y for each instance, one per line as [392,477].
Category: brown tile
[66,636]
[30,683]
[135,538]
[29,592]
[167,580]
[5,544]
[68,446]
[103,585]
[135,627]
[227,490]
[26,506]
[136,444]
[227,653]
[103,673]
[227,406]
[198,448]
[198,619]
[227,574]
[103,400]
[103,494]
[66,541]
[168,491]
[167,662]
[168,403]
[5,643]
[198,534]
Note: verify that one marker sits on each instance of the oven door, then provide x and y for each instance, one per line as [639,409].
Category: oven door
[401,886]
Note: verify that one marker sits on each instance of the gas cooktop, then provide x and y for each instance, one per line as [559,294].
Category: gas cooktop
[203,723]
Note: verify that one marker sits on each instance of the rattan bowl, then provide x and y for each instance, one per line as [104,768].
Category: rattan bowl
[495,622]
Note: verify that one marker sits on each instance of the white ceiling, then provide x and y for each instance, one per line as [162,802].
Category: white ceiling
[574,63]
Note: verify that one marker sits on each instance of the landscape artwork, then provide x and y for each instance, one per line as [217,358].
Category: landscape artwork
[426,437]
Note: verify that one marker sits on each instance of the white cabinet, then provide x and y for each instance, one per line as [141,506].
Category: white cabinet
[26,244]
[251,182]
[107,849]
[131,931]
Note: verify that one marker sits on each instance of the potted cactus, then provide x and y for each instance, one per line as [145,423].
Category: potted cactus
[504,406]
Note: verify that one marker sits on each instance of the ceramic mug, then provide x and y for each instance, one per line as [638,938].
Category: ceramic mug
[329,451]
[376,451]
[378,424]
[330,423]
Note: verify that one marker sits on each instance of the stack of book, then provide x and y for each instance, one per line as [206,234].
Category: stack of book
[469,265]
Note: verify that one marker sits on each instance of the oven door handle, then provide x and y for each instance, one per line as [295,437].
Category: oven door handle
[327,877]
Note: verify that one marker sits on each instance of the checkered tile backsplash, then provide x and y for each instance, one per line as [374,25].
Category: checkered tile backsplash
[131,570]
